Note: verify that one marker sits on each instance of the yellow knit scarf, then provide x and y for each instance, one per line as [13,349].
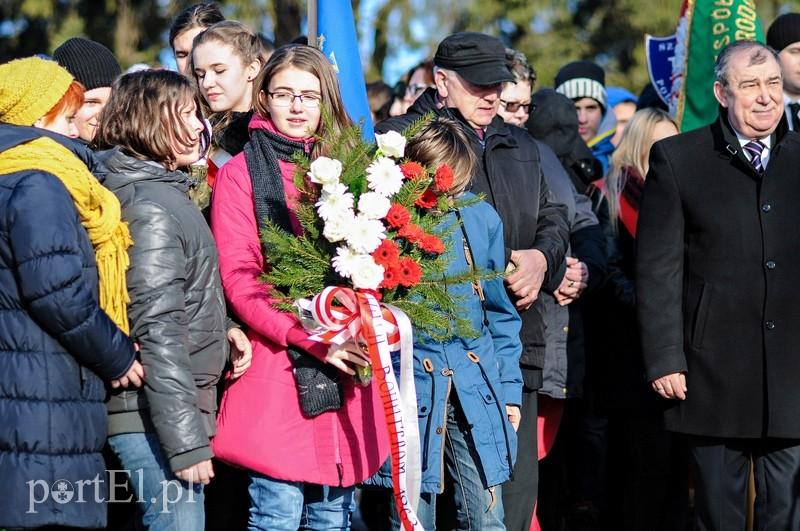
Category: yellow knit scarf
[99,212]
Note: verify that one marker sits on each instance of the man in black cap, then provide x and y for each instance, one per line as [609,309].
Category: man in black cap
[469,72]
[784,36]
[96,68]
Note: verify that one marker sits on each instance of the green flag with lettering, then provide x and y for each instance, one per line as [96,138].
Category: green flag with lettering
[704,29]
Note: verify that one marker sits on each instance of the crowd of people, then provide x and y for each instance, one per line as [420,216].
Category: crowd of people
[632,367]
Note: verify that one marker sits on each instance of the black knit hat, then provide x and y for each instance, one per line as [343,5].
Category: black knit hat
[784,30]
[477,57]
[89,62]
[582,79]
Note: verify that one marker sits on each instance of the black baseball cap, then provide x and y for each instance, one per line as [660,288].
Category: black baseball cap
[477,57]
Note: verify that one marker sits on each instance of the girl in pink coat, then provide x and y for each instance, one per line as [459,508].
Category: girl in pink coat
[302,467]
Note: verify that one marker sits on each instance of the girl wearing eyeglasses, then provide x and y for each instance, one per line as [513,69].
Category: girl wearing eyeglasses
[302,467]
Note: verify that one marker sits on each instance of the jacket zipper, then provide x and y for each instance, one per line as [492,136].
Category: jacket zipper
[444,435]
[336,449]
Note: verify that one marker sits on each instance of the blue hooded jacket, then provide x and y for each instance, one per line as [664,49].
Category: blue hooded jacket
[483,372]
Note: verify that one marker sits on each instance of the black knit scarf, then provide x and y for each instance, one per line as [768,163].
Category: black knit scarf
[319,385]
[262,154]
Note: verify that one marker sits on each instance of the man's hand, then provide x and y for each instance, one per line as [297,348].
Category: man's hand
[241,351]
[202,472]
[134,377]
[526,279]
[576,279]
[514,416]
[671,386]
[340,356]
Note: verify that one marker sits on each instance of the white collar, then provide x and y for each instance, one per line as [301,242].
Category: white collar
[787,100]
[766,141]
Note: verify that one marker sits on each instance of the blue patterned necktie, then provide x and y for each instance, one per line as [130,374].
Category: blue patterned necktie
[755,148]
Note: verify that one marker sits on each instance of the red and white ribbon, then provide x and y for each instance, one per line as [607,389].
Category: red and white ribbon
[339,314]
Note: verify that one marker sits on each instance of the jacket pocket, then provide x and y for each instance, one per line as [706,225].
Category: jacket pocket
[424,406]
[701,315]
[493,431]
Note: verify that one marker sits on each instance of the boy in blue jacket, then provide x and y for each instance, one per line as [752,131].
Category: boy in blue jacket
[468,389]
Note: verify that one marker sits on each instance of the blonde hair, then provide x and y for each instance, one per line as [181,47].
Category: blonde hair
[632,152]
[311,60]
[442,141]
[246,46]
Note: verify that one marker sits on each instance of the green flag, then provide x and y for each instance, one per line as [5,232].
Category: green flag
[704,29]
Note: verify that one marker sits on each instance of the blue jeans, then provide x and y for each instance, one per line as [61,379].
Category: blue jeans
[277,505]
[477,508]
[167,503]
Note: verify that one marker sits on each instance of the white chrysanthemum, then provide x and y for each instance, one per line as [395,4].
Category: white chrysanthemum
[346,261]
[364,235]
[368,274]
[334,201]
[373,205]
[384,177]
[391,144]
[325,170]
[337,227]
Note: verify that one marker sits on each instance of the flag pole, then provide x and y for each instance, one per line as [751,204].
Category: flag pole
[312,23]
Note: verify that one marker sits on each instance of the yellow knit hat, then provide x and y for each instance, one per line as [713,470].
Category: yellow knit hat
[29,88]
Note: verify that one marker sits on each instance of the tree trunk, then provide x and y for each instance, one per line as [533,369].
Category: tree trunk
[288,15]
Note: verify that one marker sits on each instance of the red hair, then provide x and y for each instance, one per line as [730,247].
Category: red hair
[69,103]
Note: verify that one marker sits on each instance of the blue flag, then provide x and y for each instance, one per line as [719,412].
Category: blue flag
[337,39]
[660,52]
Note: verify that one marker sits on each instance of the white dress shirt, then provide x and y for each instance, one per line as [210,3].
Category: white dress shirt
[766,141]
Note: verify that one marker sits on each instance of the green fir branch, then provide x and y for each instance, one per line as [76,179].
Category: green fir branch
[416,127]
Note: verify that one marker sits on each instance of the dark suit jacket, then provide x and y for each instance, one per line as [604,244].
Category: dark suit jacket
[717,269]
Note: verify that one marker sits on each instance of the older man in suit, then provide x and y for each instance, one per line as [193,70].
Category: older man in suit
[717,263]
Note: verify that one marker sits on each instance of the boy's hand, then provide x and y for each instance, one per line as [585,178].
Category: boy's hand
[514,416]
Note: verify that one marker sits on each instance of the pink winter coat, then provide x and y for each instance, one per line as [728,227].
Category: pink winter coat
[260,424]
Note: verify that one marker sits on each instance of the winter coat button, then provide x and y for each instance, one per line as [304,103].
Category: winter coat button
[770,264]
[439,430]
[770,325]
[447,372]
[766,207]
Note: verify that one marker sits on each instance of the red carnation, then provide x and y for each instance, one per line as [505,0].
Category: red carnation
[391,278]
[431,244]
[410,272]
[413,171]
[398,216]
[387,253]
[412,233]
[443,178]
[427,199]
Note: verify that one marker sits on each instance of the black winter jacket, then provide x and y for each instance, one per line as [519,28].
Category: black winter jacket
[177,310]
[717,255]
[56,347]
[510,177]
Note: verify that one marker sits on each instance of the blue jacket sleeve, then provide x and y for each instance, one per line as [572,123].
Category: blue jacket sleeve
[48,259]
[504,321]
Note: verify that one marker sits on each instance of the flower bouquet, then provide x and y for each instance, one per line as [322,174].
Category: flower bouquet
[371,259]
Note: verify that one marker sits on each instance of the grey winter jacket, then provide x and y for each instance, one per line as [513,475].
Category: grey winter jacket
[564,370]
[177,310]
